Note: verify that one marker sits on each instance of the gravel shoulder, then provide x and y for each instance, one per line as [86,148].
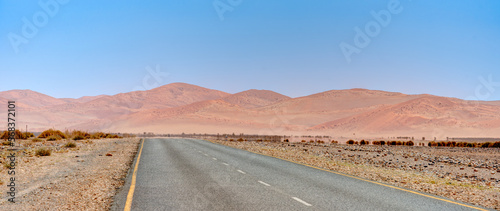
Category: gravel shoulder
[85,177]
[468,175]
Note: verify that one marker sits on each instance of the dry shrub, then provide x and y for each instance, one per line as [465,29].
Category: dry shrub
[486,144]
[70,145]
[78,137]
[98,135]
[8,165]
[112,136]
[43,152]
[36,140]
[52,132]
[350,142]
[18,135]
[460,144]
[54,138]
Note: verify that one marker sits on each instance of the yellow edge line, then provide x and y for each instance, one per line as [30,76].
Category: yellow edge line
[359,178]
[130,196]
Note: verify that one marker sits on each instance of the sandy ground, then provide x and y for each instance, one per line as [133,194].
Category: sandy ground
[82,178]
[470,175]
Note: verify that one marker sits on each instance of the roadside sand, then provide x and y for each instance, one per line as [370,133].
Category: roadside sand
[468,175]
[80,178]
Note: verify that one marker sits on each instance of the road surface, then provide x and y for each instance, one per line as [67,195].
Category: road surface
[187,174]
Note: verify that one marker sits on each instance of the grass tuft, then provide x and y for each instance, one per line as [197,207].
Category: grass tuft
[54,138]
[43,152]
[36,140]
[51,132]
[70,145]
[78,137]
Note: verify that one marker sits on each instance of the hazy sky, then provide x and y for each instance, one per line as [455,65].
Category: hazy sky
[294,47]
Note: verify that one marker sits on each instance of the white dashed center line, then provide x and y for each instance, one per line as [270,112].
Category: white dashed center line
[301,201]
[241,171]
[214,158]
[264,183]
[225,164]
[205,154]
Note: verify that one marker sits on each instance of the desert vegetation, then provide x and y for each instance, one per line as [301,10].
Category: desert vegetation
[43,152]
[463,144]
[430,143]
[70,145]
[53,135]
[18,135]
[55,171]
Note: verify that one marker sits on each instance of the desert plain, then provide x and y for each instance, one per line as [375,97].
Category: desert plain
[86,177]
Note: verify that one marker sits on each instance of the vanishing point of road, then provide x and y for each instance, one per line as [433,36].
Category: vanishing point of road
[188,174]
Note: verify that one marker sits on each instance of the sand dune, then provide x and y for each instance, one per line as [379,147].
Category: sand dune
[180,107]
[422,116]
[83,99]
[255,98]
[31,98]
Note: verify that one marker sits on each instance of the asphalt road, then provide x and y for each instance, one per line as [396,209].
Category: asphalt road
[186,174]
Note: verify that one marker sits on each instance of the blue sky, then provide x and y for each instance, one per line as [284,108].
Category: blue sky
[447,48]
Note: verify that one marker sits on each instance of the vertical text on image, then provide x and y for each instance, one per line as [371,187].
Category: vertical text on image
[11,125]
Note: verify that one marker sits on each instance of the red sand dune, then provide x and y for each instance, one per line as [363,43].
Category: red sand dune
[180,107]
[421,115]
[255,98]
[31,98]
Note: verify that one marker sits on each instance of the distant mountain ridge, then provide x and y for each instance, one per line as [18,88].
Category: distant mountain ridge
[181,107]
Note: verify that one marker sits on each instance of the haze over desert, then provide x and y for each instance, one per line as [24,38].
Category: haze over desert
[186,108]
